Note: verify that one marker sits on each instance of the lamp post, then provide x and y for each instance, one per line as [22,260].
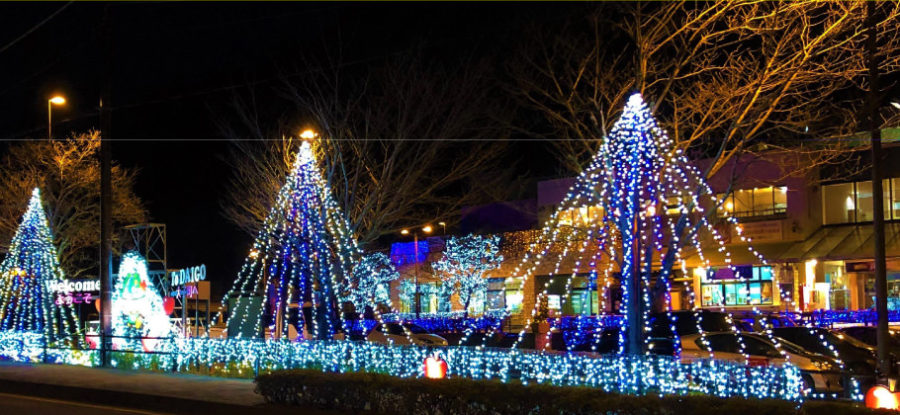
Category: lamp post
[56,100]
[426,230]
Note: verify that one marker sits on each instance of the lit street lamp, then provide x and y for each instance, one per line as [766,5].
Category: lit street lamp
[308,134]
[56,100]
[426,230]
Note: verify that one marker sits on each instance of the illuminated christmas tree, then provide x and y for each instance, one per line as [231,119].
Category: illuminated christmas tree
[138,315]
[302,256]
[371,283]
[464,264]
[29,269]
[637,210]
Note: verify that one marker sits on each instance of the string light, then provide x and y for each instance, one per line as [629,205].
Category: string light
[30,267]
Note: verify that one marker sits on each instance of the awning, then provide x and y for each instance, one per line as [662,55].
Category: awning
[841,242]
[845,242]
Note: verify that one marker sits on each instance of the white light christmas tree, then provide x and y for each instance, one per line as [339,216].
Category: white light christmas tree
[464,264]
[301,258]
[138,315]
[30,267]
[371,282]
[644,208]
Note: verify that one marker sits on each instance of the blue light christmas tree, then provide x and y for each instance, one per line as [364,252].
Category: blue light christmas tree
[302,256]
[31,266]
[635,213]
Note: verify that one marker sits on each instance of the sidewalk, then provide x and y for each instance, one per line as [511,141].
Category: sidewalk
[162,392]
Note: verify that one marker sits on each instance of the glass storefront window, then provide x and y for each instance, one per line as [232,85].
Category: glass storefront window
[780,197]
[839,203]
[852,202]
[755,293]
[762,201]
[756,288]
[514,295]
[730,294]
[743,202]
[712,295]
[581,216]
[864,206]
[765,293]
[895,198]
[554,302]
[496,293]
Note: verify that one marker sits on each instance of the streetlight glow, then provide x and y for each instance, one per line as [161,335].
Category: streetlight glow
[404,232]
[426,229]
[58,100]
[308,134]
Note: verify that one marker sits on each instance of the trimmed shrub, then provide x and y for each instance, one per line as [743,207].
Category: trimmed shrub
[383,394]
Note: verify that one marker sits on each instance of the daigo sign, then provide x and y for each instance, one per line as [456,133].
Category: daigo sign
[188,275]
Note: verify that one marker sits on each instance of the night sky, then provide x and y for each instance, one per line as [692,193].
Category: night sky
[177,66]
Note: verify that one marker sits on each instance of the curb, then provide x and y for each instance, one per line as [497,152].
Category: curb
[131,400]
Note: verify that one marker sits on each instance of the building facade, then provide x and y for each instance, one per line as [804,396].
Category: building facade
[816,238]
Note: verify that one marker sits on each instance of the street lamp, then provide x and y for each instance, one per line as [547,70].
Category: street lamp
[443,227]
[426,230]
[308,134]
[55,100]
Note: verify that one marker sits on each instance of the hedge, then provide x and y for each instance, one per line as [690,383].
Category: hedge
[383,394]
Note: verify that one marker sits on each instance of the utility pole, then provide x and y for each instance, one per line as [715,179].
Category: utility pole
[416,268]
[872,106]
[106,281]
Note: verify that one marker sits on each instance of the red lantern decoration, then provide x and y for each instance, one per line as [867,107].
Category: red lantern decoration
[879,396]
[168,305]
[92,340]
[97,304]
[435,368]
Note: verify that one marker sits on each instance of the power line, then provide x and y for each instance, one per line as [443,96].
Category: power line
[35,27]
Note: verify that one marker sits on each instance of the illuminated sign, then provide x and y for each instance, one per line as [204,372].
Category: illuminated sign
[188,275]
[76,286]
[74,298]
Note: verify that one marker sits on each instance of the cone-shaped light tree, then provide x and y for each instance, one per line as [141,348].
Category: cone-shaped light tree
[634,214]
[299,261]
[139,318]
[29,270]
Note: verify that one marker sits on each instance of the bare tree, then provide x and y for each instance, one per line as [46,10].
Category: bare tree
[724,77]
[68,174]
[404,144]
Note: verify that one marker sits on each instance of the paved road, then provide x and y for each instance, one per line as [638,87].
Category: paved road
[19,404]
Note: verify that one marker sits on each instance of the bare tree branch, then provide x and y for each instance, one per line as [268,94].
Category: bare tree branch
[746,75]
[68,173]
[404,144]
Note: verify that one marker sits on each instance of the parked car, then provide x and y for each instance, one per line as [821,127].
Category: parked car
[690,322]
[819,373]
[868,335]
[759,321]
[858,358]
[405,334]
